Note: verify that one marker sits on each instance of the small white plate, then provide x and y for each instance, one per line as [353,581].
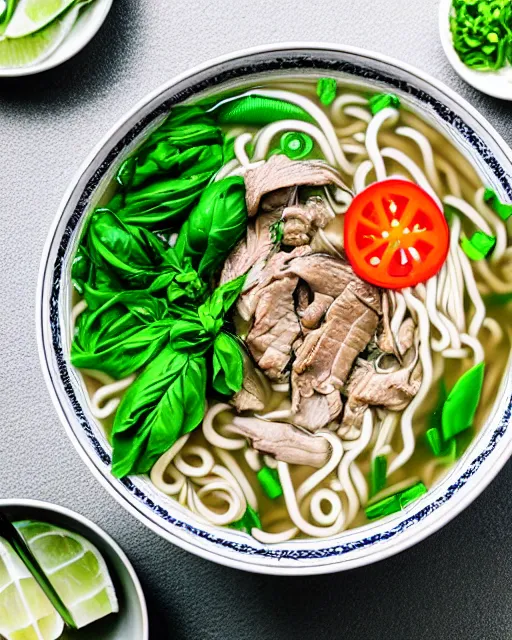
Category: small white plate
[494,83]
[86,27]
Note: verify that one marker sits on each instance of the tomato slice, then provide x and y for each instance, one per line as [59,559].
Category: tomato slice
[395,234]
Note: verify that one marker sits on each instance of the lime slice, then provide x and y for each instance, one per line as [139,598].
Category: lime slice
[21,52]
[75,569]
[25,611]
[33,15]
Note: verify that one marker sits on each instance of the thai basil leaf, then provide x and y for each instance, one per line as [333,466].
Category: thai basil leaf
[215,225]
[228,364]
[189,336]
[122,335]
[166,401]
[132,253]
[211,313]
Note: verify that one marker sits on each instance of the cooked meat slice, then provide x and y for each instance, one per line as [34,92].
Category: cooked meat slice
[302,221]
[393,390]
[275,327]
[327,354]
[262,273]
[330,276]
[367,387]
[255,391]
[279,172]
[277,200]
[255,247]
[283,441]
[317,410]
[303,296]
[313,314]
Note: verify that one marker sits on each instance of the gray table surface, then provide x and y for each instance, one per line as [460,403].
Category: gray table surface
[458,583]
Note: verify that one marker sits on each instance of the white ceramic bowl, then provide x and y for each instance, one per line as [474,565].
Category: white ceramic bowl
[86,27]
[494,83]
[131,623]
[481,462]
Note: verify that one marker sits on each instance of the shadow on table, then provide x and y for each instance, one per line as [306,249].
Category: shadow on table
[89,73]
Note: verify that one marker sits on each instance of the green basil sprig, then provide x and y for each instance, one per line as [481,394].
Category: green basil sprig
[168,399]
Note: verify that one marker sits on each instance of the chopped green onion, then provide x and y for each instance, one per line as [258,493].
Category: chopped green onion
[395,502]
[383,101]
[462,402]
[439,448]
[296,145]
[326,90]
[248,521]
[478,246]
[258,110]
[474,24]
[497,298]
[378,474]
[269,480]
[503,209]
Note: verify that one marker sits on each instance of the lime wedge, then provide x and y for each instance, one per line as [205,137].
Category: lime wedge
[75,569]
[21,52]
[25,611]
[33,15]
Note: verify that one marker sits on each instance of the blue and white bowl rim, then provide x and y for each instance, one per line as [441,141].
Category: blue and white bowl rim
[354,548]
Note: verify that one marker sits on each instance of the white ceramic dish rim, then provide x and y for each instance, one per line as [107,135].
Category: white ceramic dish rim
[497,84]
[87,26]
[196,537]
[108,541]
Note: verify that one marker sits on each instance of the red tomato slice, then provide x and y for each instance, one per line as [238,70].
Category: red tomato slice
[395,235]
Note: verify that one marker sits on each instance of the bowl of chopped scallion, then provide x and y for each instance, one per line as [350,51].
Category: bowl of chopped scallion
[477,39]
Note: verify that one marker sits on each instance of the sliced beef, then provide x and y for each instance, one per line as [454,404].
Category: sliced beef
[302,221]
[312,315]
[275,327]
[317,410]
[283,441]
[392,390]
[279,172]
[330,276]
[255,391]
[255,247]
[386,340]
[327,354]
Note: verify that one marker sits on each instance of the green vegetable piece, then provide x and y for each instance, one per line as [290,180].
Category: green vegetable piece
[326,90]
[211,313]
[6,10]
[248,521]
[269,480]
[162,181]
[504,210]
[165,402]
[122,335]
[497,298]
[478,246]
[215,225]
[132,253]
[378,474]
[296,145]
[228,364]
[462,402]
[474,24]
[258,111]
[277,231]
[382,101]
[396,502]
[434,440]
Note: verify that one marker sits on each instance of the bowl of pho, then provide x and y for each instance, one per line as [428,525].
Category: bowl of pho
[274,308]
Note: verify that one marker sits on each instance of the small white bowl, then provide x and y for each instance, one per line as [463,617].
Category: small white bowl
[86,27]
[497,84]
[131,623]
[438,105]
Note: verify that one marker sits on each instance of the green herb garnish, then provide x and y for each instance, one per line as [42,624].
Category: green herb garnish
[296,145]
[270,483]
[462,402]
[326,90]
[503,209]
[482,33]
[382,101]
[479,246]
